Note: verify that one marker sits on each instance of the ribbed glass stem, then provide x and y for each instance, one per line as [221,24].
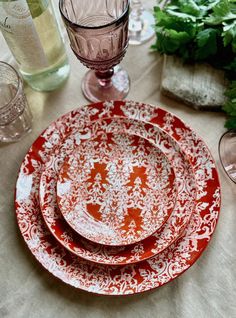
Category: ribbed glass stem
[136,23]
[104,77]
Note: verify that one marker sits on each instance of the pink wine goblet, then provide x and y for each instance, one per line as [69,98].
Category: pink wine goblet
[227,153]
[98,33]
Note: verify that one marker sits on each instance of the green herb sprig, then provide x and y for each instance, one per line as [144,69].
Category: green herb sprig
[201,31]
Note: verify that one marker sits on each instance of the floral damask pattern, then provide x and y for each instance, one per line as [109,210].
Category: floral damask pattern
[128,279]
[116,189]
[153,244]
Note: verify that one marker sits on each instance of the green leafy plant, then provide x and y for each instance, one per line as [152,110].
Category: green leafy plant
[201,31]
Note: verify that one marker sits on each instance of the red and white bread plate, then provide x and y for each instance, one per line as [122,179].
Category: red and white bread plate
[171,255]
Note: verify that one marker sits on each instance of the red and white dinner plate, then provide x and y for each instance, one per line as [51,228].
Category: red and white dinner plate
[125,279]
[149,247]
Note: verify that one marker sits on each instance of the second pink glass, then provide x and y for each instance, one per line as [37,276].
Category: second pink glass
[98,33]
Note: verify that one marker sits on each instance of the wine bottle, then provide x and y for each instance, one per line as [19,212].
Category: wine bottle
[31,32]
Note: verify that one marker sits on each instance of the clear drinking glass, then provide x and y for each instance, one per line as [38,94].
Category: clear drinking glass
[141,24]
[98,33]
[15,115]
[227,153]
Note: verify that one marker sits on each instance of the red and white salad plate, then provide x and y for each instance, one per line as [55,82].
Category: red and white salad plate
[124,279]
[116,189]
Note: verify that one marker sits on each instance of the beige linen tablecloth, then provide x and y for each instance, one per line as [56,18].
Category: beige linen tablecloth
[207,289]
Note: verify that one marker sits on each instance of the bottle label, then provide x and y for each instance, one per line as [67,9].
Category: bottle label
[19,31]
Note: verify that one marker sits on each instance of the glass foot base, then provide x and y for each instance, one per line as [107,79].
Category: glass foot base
[147,32]
[117,89]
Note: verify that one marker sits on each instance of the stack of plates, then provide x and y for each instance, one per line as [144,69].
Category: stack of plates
[117,198]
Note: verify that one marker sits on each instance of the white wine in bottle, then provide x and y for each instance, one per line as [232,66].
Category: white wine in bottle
[31,32]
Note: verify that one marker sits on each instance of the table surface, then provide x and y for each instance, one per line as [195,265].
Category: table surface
[207,289]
